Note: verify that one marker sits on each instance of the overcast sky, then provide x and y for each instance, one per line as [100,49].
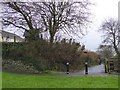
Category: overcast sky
[103,9]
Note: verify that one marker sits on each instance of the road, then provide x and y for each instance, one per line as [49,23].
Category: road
[92,71]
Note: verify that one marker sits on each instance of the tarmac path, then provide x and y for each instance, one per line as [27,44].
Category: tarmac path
[92,71]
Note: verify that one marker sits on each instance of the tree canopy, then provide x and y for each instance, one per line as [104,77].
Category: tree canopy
[38,17]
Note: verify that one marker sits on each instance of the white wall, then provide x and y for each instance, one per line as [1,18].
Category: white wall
[10,39]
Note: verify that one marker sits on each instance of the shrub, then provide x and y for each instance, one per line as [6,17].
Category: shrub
[44,55]
[18,66]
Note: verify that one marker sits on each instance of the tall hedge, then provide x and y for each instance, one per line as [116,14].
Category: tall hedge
[44,55]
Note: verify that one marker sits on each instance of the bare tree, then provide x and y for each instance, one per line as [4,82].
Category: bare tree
[22,15]
[69,17]
[106,51]
[110,29]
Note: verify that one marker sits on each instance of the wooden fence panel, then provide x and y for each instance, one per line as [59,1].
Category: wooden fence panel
[111,66]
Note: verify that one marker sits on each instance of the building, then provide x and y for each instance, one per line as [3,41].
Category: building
[10,37]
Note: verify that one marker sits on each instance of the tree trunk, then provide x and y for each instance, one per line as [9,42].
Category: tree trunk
[51,38]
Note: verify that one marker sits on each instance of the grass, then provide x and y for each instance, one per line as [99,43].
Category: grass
[0,80]
[53,72]
[36,81]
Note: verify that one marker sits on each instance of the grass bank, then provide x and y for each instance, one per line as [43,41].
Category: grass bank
[35,81]
[0,81]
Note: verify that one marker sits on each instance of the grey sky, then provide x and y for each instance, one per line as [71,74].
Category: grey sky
[102,10]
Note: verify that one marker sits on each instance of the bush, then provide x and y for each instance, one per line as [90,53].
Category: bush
[13,50]
[44,55]
[18,66]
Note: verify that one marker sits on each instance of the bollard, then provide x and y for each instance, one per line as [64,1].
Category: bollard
[67,67]
[86,68]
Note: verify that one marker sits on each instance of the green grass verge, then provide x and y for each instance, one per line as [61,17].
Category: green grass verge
[53,72]
[0,80]
[36,81]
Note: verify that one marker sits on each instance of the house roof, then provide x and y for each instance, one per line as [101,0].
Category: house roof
[8,34]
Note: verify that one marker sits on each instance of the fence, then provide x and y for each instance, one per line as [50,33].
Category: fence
[111,65]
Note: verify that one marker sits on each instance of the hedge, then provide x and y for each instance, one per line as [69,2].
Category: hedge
[44,55]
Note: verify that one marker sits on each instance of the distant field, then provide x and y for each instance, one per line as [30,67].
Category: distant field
[35,81]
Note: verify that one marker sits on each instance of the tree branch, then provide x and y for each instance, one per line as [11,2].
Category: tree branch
[14,24]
